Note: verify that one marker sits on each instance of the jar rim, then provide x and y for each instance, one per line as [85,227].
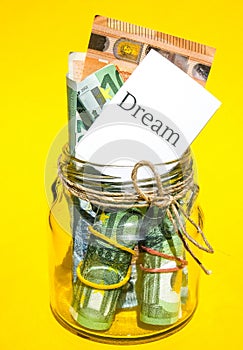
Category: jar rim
[65,152]
[84,180]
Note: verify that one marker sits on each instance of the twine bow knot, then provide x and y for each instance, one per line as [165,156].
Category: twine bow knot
[174,211]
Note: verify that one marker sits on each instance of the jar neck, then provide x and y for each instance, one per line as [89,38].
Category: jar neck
[88,181]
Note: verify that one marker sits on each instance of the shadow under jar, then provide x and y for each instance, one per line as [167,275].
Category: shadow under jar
[124,254]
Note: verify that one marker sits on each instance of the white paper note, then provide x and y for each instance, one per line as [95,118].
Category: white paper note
[159,107]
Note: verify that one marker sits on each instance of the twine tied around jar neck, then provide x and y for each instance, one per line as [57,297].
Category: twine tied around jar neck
[167,198]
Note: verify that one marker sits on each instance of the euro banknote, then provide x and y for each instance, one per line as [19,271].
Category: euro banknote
[87,98]
[106,264]
[161,291]
[126,44]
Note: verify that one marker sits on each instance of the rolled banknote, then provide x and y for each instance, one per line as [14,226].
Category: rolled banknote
[83,217]
[184,286]
[161,280]
[105,268]
[87,98]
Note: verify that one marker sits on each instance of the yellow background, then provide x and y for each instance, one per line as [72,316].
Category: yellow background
[36,37]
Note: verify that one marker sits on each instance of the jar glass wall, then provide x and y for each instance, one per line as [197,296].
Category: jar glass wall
[122,263]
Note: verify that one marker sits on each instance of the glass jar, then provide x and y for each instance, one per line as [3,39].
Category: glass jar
[124,257]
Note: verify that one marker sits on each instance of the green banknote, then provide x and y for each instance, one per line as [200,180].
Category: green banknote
[105,264]
[184,286]
[161,291]
[83,217]
[87,98]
